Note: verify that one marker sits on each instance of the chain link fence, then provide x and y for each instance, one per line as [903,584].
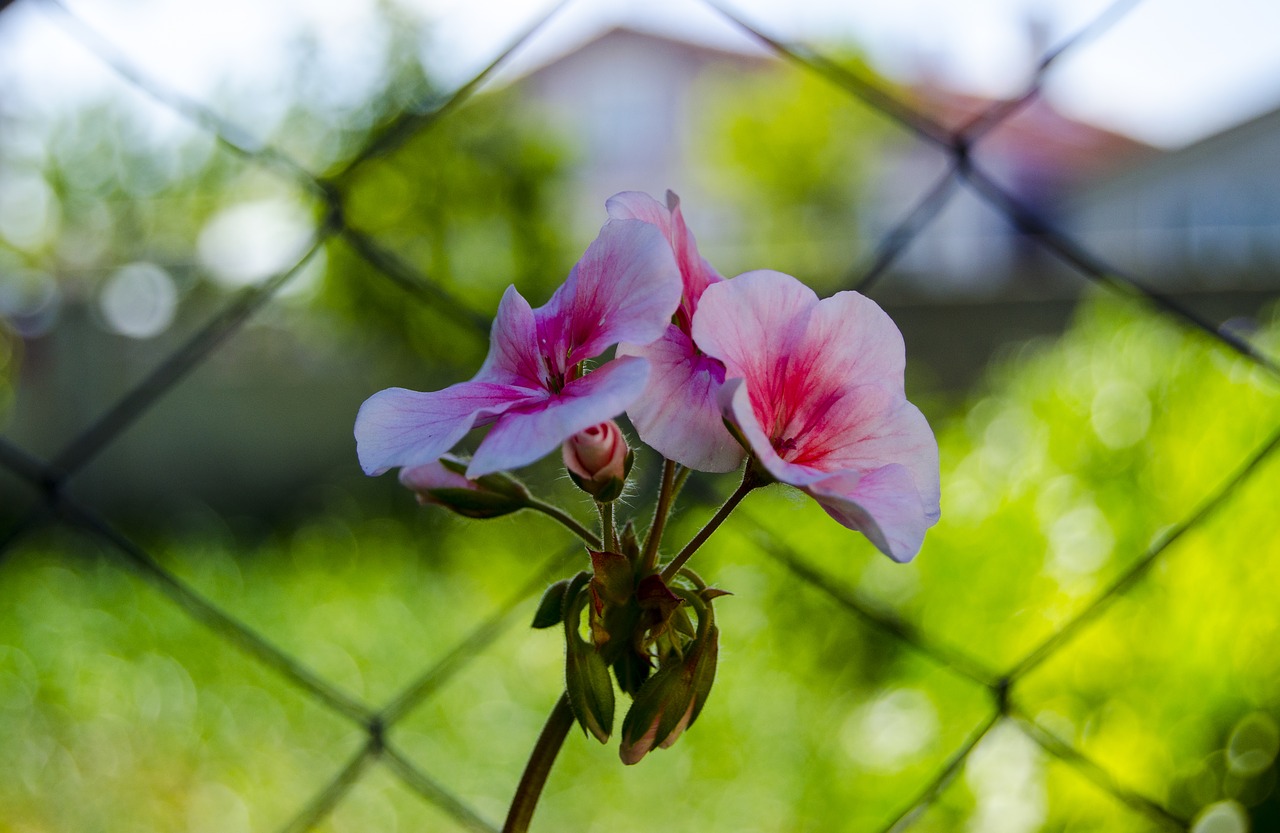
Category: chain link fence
[51,503]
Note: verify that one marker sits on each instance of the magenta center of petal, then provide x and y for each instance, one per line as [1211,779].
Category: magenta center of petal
[801,431]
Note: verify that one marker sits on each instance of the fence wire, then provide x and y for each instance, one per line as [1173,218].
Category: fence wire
[51,504]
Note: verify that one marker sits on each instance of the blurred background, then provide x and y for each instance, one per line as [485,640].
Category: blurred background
[223,226]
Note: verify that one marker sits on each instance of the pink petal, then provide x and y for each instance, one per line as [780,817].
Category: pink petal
[625,288]
[753,324]
[433,475]
[872,426]
[637,205]
[695,272]
[398,427]
[853,342]
[735,403]
[679,413]
[538,427]
[772,330]
[881,504]
[513,345]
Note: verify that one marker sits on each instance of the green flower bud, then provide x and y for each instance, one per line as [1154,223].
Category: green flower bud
[551,607]
[587,680]
[671,700]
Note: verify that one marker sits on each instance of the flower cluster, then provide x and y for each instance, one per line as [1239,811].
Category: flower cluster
[707,369]
[713,373]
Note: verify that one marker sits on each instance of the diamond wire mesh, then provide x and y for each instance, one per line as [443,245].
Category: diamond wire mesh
[47,477]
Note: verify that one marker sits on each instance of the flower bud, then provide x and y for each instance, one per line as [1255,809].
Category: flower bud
[598,460]
[670,700]
[587,680]
[442,483]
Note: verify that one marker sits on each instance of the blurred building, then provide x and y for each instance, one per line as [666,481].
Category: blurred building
[1038,156]
[624,101]
[1205,217]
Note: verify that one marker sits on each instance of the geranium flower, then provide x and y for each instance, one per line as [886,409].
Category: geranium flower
[531,386]
[679,413]
[816,390]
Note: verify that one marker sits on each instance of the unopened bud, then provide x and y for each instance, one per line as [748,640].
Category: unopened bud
[598,460]
[442,483]
[670,700]
[587,680]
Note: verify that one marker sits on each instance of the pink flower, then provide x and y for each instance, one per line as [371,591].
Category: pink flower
[531,387]
[816,390]
[598,453]
[679,413]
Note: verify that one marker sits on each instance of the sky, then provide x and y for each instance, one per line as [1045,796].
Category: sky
[1170,72]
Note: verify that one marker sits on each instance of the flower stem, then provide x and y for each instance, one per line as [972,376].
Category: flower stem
[566,520]
[682,474]
[749,482]
[607,534]
[665,497]
[539,767]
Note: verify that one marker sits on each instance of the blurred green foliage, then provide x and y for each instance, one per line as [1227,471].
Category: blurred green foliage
[792,154]
[465,201]
[1061,472]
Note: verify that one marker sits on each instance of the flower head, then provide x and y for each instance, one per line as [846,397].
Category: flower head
[816,390]
[679,414]
[531,387]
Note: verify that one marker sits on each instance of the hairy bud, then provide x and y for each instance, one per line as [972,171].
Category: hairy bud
[598,460]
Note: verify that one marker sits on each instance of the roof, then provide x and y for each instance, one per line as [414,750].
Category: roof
[706,52]
[1036,138]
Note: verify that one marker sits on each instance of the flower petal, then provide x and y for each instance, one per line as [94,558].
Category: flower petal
[735,402]
[882,504]
[537,428]
[854,341]
[625,288]
[398,427]
[753,324]
[513,345]
[679,413]
[871,427]
[695,272]
[433,475]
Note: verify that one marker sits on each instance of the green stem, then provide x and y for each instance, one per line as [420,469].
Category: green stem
[607,533]
[566,520]
[682,474]
[539,767]
[665,497]
[749,482]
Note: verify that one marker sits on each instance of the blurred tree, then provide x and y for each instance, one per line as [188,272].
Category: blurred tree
[466,202]
[116,181]
[792,154]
